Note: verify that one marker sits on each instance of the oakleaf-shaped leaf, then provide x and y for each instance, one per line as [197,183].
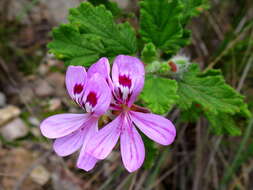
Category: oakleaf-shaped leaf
[209,90]
[193,8]
[117,38]
[159,94]
[75,48]
[223,124]
[160,24]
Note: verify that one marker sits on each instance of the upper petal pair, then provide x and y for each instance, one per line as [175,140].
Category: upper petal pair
[128,71]
[80,86]
[128,68]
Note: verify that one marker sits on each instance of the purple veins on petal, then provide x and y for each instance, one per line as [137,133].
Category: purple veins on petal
[131,147]
[61,125]
[67,145]
[105,140]
[156,127]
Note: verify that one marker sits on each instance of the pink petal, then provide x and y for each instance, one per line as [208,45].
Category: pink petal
[98,85]
[132,148]
[76,78]
[156,127]
[86,162]
[102,67]
[67,145]
[61,125]
[133,68]
[104,141]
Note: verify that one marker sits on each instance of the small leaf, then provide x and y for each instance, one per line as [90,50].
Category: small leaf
[160,24]
[159,94]
[149,53]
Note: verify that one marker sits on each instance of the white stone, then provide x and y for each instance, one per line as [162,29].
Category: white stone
[34,121]
[35,132]
[8,113]
[40,175]
[54,104]
[14,129]
[43,89]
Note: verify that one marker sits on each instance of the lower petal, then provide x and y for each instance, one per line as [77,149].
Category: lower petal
[86,161]
[132,149]
[61,125]
[67,145]
[104,141]
[156,127]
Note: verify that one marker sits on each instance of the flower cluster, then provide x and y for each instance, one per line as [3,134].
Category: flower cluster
[97,93]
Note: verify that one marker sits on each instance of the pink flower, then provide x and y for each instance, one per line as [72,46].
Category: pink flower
[74,131]
[126,84]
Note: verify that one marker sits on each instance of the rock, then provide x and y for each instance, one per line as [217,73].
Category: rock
[122,4]
[16,162]
[14,129]
[2,99]
[8,113]
[54,104]
[35,132]
[43,89]
[34,121]
[43,69]
[61,6]
[57,80]
[40,175]
[59,183]
[27,94]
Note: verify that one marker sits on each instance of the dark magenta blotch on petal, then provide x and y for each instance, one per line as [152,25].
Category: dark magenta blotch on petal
[78,88]
[92,98]
[125,81]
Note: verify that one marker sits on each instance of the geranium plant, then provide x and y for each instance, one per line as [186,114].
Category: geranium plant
[149,79]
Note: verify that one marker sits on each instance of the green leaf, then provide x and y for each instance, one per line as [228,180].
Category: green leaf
[223,124]
[149,53]
[151,152]
[97,21]
[160,24]
[209,90]
[191,115]
[193,8]
[111,6]
[159,94]
[75,48]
